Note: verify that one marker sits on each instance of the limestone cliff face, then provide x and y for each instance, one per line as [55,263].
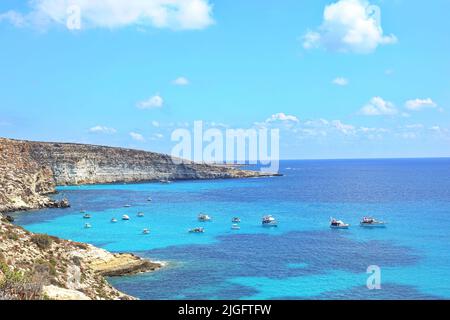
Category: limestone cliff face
[29,170]
[86,164]
[23,181]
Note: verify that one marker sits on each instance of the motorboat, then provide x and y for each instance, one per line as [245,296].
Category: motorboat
[197,230]
[82,211]
[236,220]
[125,217]
[235,227]
[369,222]
[146,231]
[127,206]
[113,220]
[338,224]
[87,216]
[149,199]
[140,214]
[269,221]
[87,226]
[204,218]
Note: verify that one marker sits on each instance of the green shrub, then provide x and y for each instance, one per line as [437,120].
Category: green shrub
[43,241]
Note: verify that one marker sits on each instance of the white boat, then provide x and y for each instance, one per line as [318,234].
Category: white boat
[338,224]
[235,227]
[140,215]
[146,231]
[125,217]
[83,211]
[204,218]
[87,226]
[236,220]
[87,216]
[149,199]
[369,222]
[197,230]
[269,221]
[113,220]
[127,206]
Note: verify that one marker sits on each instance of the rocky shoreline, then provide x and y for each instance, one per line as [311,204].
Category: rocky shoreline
[34,266]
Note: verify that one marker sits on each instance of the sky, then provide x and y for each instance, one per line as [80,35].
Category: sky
[339,78]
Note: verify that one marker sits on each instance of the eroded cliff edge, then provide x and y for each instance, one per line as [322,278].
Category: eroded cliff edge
[31,170]
[35,266]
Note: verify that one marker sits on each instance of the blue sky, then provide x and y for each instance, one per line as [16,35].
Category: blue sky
[338,82]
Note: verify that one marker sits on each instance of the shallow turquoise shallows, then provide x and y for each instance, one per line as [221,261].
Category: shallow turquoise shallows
[300,259]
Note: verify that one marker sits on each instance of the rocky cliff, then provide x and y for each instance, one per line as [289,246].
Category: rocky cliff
[30,170]
[23,181]
[34,266]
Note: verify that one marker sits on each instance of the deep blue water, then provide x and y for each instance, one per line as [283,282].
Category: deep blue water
[302,258]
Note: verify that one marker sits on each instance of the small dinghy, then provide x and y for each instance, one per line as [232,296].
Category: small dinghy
[82,211]
[140,214]
[338,224]
[269,221]
[127,206]
[149,199]
[197,230]
[113,220]
[235,227]
[146,231]
[236,220]
[125,217]
[87,226]
[369,222]
[204,218]
[87,216]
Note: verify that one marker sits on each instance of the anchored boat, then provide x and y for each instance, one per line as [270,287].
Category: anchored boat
[236,220]
[197,230]
[338,224]
[140,214]
[269,221]
[125,217]
[369,222]
[204,218]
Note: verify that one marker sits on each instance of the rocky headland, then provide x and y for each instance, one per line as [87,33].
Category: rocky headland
[36,266]
[29,171]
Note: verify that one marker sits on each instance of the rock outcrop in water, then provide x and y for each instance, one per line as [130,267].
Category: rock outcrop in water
[31,170]
[34,266]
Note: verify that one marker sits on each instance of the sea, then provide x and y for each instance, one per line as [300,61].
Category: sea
[302,258]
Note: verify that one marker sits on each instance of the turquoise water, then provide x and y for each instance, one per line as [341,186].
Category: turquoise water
[302,258]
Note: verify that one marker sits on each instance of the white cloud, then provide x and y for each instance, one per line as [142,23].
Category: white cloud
[419,104]
[343,128]
[102,129]
[349,26]
[171,14]
[137,136]
[154,102]
[340,81]
[157,136]
[181,81]
[282,117]
[379,107]
[13,17]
